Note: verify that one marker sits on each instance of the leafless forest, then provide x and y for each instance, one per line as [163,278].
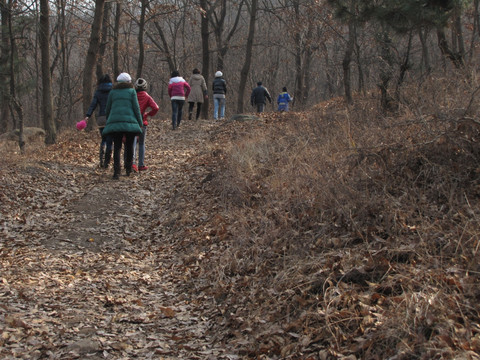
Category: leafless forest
[318,49]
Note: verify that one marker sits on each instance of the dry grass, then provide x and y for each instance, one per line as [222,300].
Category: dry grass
[354,232]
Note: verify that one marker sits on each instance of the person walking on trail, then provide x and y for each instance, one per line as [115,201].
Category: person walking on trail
[178,90]
[145,101]
[100,99]
[259,97]
[219,95]
[123,120]
[198,93]
[283,99]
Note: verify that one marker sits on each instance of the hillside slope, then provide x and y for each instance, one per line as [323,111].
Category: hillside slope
[299,236]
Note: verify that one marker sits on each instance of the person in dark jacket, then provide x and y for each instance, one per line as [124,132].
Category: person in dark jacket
[219,95]
[123,120]
[259,97]
[100,99]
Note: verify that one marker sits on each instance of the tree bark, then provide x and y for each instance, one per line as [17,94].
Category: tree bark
[141,32]
[116,34]
[205,54]
[47,103]
[248,56]
[347,58]
[4,59]
[91,57]
[103,43]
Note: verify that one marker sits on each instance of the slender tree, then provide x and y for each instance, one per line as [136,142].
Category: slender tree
[90,60]
[253,6]
[5,14]
[205,51]
[47,102]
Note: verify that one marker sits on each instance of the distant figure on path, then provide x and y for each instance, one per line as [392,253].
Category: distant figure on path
[178,90]
[198,93]
[145,101]
[283,99]
[123,120]
[259,97]
[219,95]
[100,98]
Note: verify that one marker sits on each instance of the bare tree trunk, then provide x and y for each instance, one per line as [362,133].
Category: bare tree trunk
[404,66]
[361,76]
[347,58]
[248,56]
[47,103]
[458,30]
[116,34]
[164,46]
[425,53]
[19,110]
[62,54]
[91,57]
[455,57]
[386,70]
[205,54]
[4,58]
[141,32]
[103,42]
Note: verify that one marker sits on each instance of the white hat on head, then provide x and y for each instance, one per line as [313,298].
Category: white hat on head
[218,74]
[124,77]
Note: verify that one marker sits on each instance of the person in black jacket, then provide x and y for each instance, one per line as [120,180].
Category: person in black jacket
[219,91]
[259,97]
[100,99]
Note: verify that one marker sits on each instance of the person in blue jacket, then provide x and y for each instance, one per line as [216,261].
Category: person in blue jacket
[100,99]
[283,99]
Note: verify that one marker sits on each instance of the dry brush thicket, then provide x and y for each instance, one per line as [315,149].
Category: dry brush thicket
[353,232]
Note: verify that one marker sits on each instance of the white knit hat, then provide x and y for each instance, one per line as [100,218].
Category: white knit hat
[218,74]
[124,77]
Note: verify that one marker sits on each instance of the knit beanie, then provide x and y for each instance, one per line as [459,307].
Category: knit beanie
[124,77]
[218,74]
[141,84]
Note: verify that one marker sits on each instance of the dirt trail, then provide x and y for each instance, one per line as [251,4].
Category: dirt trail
[98,269]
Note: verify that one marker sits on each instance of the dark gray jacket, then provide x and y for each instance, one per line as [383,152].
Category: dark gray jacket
[260,95]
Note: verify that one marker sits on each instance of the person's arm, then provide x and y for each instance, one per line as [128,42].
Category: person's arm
[186,85]
[92,107]
[153,108]
[267,94]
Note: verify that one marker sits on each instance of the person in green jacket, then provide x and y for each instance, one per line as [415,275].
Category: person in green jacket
[123,121]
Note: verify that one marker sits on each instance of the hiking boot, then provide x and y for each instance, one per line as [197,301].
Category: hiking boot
[143,168]
[116,177]
[134,168]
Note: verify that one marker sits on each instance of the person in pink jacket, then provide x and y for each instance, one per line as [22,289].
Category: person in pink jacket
[178,90]
[146,102]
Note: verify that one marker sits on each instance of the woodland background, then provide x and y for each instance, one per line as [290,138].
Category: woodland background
[345,229]
[52,52]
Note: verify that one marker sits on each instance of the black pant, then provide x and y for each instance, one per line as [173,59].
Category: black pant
[117,149]
[190,110]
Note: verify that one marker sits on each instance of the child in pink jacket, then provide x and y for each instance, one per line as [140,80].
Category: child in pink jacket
[178,90]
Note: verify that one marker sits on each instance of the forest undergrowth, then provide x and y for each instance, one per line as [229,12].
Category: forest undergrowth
[339,233]
[354,231]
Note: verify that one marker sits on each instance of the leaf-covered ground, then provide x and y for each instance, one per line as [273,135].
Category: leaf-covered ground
[95,268]
[267,239]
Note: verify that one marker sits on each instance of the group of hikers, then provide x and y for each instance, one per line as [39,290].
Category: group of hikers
[125,108]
